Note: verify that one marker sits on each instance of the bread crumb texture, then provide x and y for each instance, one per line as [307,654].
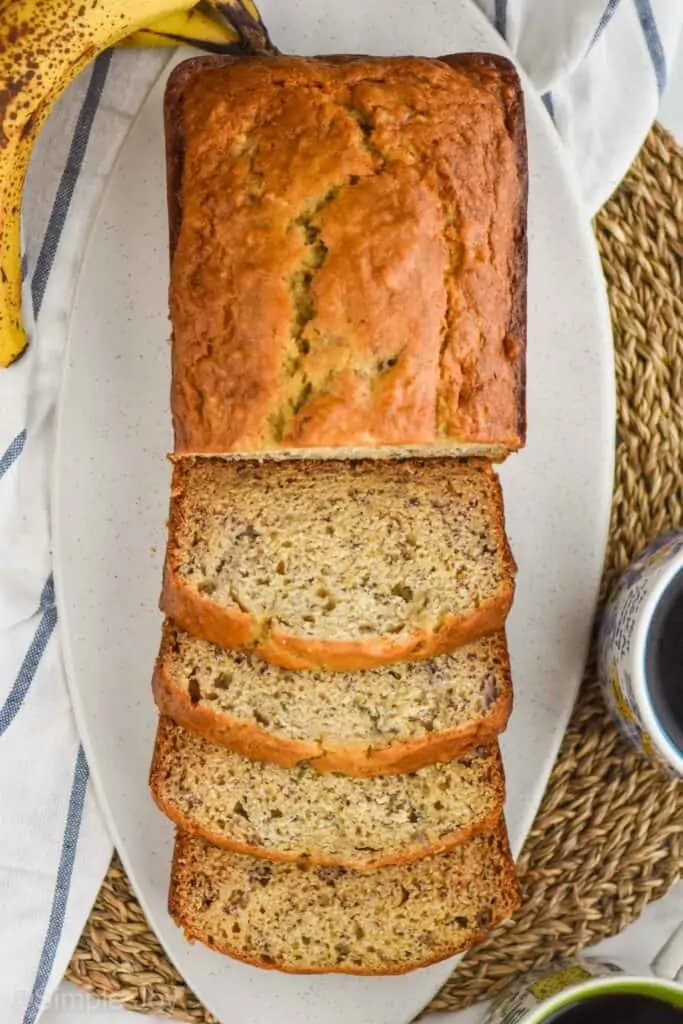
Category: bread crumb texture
[341,550]
[297,813]
[301,918]
[348,256]
[357,709]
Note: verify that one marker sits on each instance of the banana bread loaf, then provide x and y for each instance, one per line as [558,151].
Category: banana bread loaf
[338,564]
[348,244]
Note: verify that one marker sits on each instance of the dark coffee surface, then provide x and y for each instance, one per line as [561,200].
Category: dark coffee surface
[619,1008]
[664,661]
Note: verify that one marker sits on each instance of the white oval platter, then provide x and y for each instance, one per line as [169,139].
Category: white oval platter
[111,497]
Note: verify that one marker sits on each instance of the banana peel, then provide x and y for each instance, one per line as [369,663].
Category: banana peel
[44,44]
[197,27]
[217,26]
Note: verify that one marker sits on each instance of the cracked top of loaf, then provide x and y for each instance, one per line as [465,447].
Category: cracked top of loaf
[348,243]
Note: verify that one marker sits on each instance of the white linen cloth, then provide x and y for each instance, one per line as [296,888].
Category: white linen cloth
[601,66]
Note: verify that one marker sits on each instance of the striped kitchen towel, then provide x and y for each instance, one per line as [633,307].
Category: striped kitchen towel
[54,848]
[601,66]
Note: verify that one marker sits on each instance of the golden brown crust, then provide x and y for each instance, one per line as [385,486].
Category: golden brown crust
[202,617]
[158,770]
[447,232]
[512,99]
[181,872]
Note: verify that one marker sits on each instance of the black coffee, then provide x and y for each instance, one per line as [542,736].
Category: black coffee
[619,1008]
[664,661]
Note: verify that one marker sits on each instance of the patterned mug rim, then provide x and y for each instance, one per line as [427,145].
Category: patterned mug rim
[627,983]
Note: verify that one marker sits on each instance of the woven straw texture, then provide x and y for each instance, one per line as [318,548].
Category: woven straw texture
[609,835]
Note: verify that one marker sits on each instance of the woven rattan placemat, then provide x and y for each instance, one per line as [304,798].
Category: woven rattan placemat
[609,834]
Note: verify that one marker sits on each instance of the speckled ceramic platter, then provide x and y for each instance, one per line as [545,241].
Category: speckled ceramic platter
[111,497]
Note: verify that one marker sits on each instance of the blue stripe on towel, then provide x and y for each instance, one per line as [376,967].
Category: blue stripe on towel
[12,452]
[58,214]
[32,659]
[67,184]
[605,19]
[501,17]
[62,886]
[547,99]
[653,42]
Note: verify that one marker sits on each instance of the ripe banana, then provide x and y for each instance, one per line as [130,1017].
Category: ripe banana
[196,27]
[43,45]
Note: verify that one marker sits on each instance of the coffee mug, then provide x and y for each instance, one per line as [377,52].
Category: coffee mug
[589,990]
[640,653]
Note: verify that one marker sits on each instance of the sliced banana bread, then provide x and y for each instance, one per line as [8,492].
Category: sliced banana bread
[337,564]
[306,919]
[295,813]
[394,718]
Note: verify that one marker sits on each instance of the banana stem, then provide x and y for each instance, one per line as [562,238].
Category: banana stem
[244,17]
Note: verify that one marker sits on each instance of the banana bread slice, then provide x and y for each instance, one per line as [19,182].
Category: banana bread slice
[305,919]
[394,718]
[337,564]
[289,814]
